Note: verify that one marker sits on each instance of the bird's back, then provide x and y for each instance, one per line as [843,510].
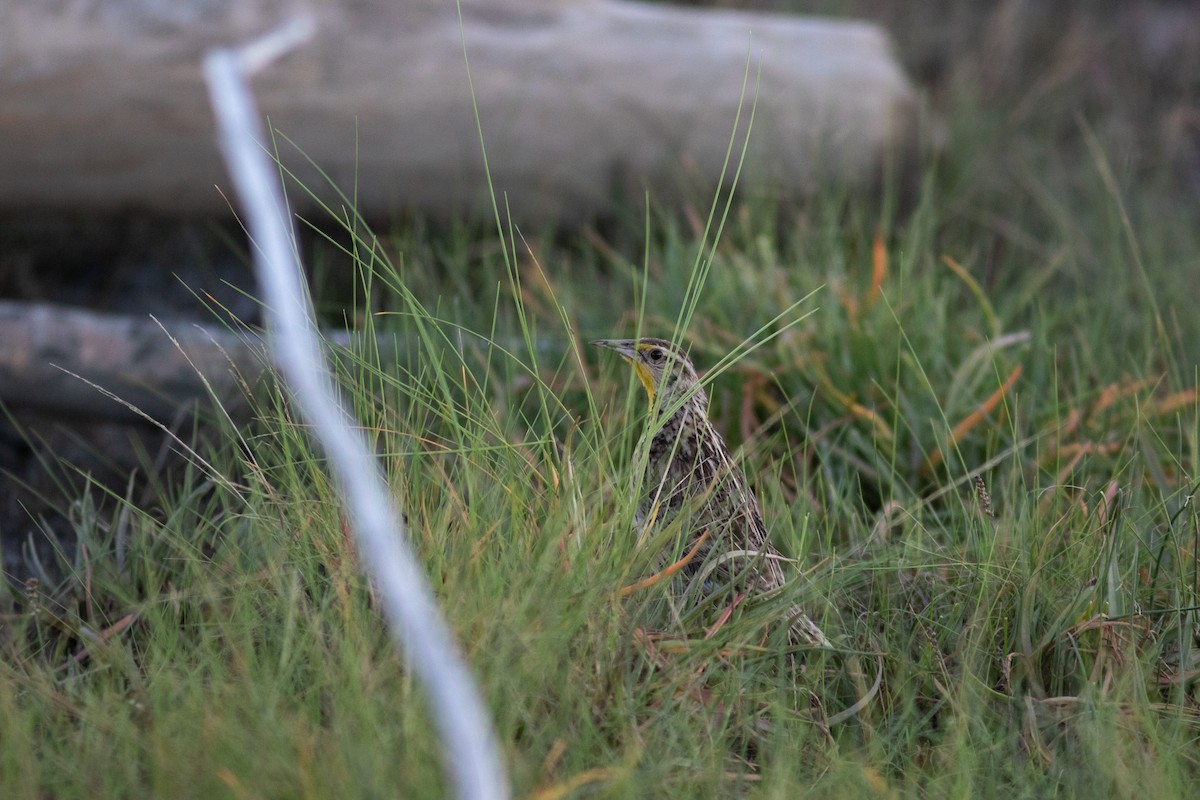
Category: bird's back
[690,470]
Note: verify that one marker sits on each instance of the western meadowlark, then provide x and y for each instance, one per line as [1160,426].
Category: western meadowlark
[689,468]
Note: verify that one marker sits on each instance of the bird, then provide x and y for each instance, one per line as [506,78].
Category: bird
[688,468]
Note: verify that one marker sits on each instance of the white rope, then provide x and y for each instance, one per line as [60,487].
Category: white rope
[470,751]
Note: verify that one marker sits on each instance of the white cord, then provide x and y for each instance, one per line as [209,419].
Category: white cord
[470,751]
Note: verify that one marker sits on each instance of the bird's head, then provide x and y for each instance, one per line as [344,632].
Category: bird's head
[662,367]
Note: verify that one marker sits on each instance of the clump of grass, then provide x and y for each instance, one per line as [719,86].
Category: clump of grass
[223,641]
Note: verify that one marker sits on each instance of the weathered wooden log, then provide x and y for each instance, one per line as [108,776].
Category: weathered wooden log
[49,353]
[102,106]
[61,360]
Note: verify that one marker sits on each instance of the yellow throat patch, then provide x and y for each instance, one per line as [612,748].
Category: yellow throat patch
[646,378]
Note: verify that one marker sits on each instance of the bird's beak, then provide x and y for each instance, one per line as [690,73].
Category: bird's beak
[623,346]
[628,350]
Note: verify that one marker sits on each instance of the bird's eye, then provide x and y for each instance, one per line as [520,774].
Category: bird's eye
[656,355]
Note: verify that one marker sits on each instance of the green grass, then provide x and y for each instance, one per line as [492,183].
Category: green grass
[220,641]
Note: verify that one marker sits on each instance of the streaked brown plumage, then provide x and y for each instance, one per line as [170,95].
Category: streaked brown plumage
[688,467]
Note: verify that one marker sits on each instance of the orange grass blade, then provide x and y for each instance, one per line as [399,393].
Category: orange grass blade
[974,418]
[646,583]
[1177,401]
[879,270]
[1117,391]
[726,614]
